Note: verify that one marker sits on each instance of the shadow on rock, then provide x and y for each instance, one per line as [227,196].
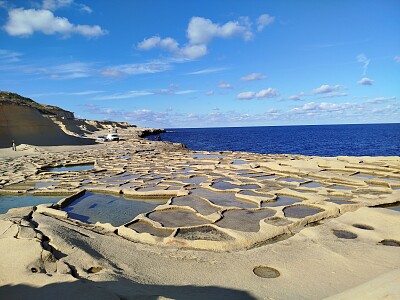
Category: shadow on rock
[121,289]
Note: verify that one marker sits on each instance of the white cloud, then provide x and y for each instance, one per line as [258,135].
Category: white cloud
[333,95]
[253,77]
[381,99]
[7,56]
[85,8]
[365,81]
[56,4]
[64,71]
[209,93]
[193,51]
[362,58]
[314,107]
[207,71]
[326,88]
[309,113]
[267,93]
[141,93]
[81,93]
[135,69]
[263,21]
[190,52]
[224,85]
[246,95]
[202,31]
[25,22]
[125,95]
[156,41]
[295,98]
[185,92]
[397,58]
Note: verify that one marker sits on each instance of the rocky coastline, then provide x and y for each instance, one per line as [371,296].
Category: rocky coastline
[141,219]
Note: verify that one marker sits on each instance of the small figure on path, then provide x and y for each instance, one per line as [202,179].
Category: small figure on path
[13,146]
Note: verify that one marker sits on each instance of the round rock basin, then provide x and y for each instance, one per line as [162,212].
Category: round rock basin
[392,243]
[343,234]
[266,272]
[244,220]
[362,226]
[300,211]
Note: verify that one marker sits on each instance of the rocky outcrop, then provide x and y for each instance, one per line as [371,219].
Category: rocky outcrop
[15,99]
[151,131]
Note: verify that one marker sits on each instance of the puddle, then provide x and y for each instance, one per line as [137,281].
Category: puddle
[311,185]
[239,162]
[392,243]
[244,220]
[392,206]
[117,210]
[364,227]
[207,233]
[82,167]
[340,200]
[282,201]
[7,202]
[126,157]
[267,177]
[300,211]
[290,179]
[143,226]
[266,272]
[177,218]
[340,187]
[39,185]
[207,156]
[343,234]
[222,185]
[390,178]
[363,175]
[193,180]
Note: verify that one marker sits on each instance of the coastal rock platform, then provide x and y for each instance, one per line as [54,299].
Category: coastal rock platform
[139,217]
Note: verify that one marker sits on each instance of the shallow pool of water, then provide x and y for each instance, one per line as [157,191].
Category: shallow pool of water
[282,200]
[117,210]
[222,185]
[7,202]
[83,167]
[300,211]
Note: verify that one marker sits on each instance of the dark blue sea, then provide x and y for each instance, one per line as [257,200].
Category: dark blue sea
[321,140]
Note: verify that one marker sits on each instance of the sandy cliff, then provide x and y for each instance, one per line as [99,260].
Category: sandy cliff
[26,125]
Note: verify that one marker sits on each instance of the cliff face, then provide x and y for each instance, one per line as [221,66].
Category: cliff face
[28,122]
[26,125]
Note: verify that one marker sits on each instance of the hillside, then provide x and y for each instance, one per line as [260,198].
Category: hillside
[15,99]
[28,122]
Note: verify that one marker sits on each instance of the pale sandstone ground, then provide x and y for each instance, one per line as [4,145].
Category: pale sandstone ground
[79,261]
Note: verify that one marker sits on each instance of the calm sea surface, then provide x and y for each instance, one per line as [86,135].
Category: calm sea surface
[321,140]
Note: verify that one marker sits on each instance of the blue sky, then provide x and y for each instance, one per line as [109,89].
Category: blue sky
[206,63]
